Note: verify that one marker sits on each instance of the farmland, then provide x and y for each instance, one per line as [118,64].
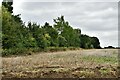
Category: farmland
[63,64]
[34,47]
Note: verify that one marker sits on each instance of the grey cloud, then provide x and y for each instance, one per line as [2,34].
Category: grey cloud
[70,0]
[38,5]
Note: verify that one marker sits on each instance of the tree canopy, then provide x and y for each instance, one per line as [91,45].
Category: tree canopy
[15,34]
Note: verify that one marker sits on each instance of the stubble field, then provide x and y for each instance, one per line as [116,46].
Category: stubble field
[64,64]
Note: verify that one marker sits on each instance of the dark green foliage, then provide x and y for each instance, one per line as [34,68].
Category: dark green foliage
[10,30]
[8,5]
[59,24]
[62,41]
[89,42]
[53,34]
[84,41]
[95,42]
[70,35]
[18,38]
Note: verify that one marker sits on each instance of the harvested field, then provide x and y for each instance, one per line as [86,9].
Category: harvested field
[64,64]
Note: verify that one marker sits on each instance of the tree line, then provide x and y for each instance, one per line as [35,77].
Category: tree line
[18,36]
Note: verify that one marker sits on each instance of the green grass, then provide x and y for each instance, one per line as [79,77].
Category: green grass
[101,59]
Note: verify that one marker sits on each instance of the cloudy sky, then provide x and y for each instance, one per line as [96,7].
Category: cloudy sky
[98,19]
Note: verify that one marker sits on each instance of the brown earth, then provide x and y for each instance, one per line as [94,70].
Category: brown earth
[63,64]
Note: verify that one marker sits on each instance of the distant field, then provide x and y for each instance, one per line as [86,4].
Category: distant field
[64,64]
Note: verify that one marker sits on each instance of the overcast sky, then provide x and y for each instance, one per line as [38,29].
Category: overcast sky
[98,19]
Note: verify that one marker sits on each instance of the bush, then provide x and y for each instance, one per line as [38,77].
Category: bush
[14,51]
[29,51]
[54,49]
